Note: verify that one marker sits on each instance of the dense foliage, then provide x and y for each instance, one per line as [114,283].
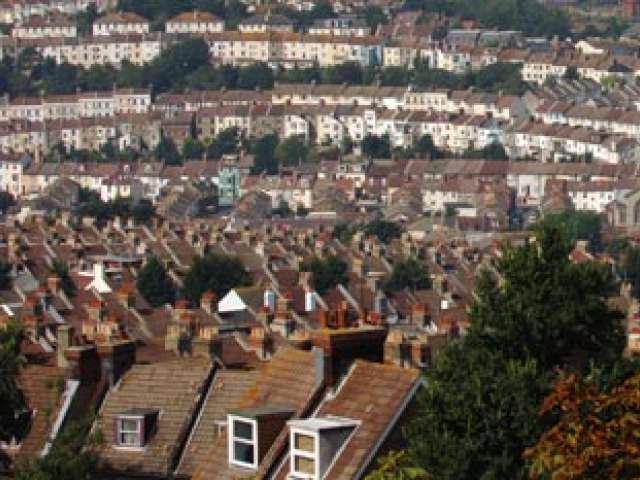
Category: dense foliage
[11,398]
[580,225]
[71,457]
[597,435]
[383,229]
[536,313]
[327,272]
[216,272]
[155,284]
[529,16]
[61,270]
[411,274]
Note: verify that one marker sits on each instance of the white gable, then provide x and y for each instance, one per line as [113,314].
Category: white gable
[231,302]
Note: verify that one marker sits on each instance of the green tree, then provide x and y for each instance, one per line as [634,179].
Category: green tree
[292,151]
[143,212]
[410,274]
[327,272]
[375,146]
[11,398]
[571,73]
[192,149]
[394,76]
[477,415]
[85,19]
[578,225]
[155,284]
[374,16]
[383,229]
[426,148]
[6,200]
[72,456]
[216,272]
[397,465]
[257,75]
[265,159]
[61,270]
[225,143]
[5,275]
[630,268]
[167,151]
[535,313]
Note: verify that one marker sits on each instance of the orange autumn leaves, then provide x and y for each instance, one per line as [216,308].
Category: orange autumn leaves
[597,435]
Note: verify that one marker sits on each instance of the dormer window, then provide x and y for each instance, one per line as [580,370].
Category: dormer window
[251,432]
[134,428]
[303,453]
[314,444]
[243,445]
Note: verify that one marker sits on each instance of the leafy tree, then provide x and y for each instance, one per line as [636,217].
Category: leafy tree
[350,73]
[5,275]
[477,415]
[535,313]
[571,73]
[155,284]
[374,16]
[548,308]
[327,272]
[397,465]
[85,19]
[265,159]
[292,151]
[143,212]
[630,268]
[216,272]
[192,149]
[6,200]
[375,146]
[426,148]
[225,143]
[344,232]
[167,151]
[410,274]
[11,398]
[257,75]
[383,229]
[395,76]
[579,225]
[71,457]
[61,270]
[528,16]
[597,435]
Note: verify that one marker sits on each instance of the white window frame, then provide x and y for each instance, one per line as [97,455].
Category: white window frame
[232,439]
[303,453]
[138,420]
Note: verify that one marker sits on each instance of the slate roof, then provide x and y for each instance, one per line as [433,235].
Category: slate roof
[228,388]
[173,388]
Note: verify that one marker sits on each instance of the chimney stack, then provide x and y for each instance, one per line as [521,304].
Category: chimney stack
[64,338]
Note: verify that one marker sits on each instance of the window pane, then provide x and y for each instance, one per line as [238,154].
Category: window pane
[243,430]
[130,439]
[304,442]
[243,452]
[304,465]
[128,425]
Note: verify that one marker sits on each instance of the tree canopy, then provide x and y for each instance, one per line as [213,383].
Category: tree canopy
[534,313]
[597,435]
[11,398]
[155,284]
[411,274]
[383,229]
[216,272]
[327,272]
